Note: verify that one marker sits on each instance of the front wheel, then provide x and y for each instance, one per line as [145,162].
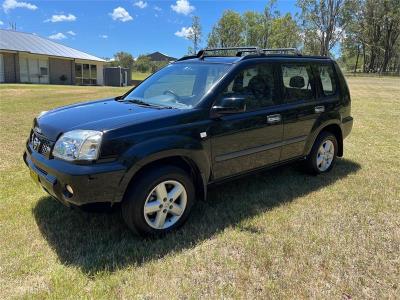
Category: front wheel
[323,154]
[160,201]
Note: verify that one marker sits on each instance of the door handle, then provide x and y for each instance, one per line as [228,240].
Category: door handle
[319,109]
[274,118]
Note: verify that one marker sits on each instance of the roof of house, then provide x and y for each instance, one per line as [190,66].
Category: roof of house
[158,56]
[31,43]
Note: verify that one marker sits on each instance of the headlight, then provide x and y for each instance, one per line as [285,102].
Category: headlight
[78,145]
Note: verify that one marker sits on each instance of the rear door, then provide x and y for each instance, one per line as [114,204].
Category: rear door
[301,111]
[251,139]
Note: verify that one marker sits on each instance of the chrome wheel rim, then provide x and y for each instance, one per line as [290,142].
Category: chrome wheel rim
[325,155]
[165,204]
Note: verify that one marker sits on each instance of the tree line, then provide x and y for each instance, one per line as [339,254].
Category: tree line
[365,34]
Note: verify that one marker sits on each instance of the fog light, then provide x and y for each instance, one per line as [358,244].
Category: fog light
[69,189]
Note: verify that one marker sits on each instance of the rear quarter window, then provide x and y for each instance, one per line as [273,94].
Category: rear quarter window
[328,80]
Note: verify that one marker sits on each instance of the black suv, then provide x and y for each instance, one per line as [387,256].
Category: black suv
[200,120]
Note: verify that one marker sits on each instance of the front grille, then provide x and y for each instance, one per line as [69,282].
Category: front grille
[40,144]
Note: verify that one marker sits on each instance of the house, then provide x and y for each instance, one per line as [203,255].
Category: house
[158,56]
[28,58]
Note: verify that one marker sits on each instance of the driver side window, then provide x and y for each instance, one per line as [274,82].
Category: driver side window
[256,85]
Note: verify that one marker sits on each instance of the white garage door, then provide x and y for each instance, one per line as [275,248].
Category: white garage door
[34,70]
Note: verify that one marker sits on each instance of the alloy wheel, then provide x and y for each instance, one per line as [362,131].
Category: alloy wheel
[325,155]
[165,204]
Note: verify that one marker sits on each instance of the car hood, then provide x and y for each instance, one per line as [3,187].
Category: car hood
[101,115]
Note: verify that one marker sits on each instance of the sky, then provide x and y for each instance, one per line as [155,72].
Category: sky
[103,28]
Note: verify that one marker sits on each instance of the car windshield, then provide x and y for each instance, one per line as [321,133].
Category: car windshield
[180,85]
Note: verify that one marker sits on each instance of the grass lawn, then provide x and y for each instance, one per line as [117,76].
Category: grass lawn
[277,234]
[139,76]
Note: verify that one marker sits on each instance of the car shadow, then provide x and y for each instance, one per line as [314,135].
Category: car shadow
[101,241]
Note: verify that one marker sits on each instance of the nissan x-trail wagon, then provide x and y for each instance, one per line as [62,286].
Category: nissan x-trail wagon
[200,120]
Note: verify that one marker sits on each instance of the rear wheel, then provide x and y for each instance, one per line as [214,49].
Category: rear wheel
[323,154]
[159,202]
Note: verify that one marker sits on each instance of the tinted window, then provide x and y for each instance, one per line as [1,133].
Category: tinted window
[328,82]
[297,82]
[256,85]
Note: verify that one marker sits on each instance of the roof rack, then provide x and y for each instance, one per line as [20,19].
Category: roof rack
[241,50]
[282,51]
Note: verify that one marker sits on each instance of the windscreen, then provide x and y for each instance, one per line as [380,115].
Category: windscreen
[180,85]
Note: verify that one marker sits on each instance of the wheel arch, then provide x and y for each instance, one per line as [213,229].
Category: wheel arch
[184,162]
[333,128]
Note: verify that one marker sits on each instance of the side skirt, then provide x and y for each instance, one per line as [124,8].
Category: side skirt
[254,171]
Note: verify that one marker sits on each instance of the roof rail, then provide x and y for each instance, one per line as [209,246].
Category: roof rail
[239,50]
[282,50]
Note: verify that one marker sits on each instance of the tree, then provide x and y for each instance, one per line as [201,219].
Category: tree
[391,30]
[228,32]
[253,28]
[195,34]
[327,19]
[285,33]
[123,59]
[143,64]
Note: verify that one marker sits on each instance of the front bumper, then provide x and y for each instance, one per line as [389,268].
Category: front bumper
[90,183]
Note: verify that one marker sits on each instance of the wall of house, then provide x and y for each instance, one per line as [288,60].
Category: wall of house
[61,67]
[10,64]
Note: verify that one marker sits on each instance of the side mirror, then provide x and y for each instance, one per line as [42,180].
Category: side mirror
[229,105]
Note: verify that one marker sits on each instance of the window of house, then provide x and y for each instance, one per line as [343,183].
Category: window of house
[44,71]
[297,82]
[328,81]
[85,74]
[255,84]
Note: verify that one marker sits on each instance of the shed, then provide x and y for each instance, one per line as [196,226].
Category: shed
[117,76]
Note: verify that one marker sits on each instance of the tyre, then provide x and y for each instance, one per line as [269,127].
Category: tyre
[323,154]
[159,202]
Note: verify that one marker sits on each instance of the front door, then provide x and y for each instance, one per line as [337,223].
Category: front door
[252,139]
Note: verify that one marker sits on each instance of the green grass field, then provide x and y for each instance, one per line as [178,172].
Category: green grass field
[279,234]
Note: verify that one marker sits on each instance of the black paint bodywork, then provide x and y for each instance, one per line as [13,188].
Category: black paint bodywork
[135,137]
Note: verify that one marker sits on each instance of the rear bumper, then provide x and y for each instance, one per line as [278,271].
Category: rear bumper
[347,125]
[90,183]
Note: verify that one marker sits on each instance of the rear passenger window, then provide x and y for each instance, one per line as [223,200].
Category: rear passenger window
[297,82]
[328,81]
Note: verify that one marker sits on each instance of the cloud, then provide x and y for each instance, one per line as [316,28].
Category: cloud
[120,14]
[185,32]
[13,4]
[141,4]
[61,18]
[183,7]
[71,33]
[1,23]
[157,8]
[58,36]
[103,36]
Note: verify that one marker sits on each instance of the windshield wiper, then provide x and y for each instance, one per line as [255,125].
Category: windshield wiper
[143,103]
